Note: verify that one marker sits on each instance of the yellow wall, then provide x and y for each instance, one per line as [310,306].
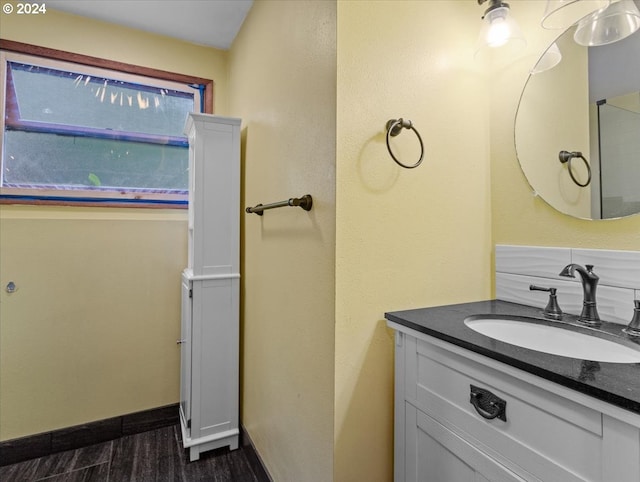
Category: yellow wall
[282,68]
[405,238]
[518,216]
[91,331]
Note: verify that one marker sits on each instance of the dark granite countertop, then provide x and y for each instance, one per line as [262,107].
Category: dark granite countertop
[615,383]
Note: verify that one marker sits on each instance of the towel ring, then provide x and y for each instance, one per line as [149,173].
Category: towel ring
[394,127]
[566,156]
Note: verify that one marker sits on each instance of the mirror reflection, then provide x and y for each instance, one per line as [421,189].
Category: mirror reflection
[587,104]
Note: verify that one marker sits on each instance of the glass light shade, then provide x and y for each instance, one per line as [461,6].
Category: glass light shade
[614,23]
[561,14]
[549,60]
[498,29]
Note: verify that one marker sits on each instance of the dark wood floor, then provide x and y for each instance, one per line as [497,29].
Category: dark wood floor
[156,455]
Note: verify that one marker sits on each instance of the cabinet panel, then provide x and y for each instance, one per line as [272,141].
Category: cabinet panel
[536,437]
[214,196]
[548,435]
[621,453]
[217,250]
[215,309]
[185,356]
[439,455]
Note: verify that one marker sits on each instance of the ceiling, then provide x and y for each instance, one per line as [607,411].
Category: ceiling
[214,23]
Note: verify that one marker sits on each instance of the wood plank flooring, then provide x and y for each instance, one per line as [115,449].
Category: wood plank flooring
[154,456]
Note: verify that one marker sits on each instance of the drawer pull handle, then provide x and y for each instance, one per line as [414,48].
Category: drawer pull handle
[487,404]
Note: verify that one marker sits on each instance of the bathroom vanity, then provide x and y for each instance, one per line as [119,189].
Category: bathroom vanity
[209,341]
[553,418]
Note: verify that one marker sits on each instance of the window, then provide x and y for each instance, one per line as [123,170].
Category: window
[77,133]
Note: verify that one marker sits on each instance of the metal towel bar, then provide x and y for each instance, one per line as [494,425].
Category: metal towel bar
[394,127]
[305,202]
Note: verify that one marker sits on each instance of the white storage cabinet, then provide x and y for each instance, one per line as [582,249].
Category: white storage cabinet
[550,433]
[209,371]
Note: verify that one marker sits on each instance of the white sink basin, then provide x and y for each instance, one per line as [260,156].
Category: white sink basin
[553,339]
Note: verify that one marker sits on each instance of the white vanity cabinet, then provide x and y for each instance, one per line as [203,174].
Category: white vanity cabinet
[209,377]
[551,433]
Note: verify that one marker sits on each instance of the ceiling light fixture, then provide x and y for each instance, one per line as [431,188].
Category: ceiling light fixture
[561,14]
[609,25]
[498,27]
[549,60]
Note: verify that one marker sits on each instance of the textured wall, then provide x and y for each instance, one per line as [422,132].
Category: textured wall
[91,332]
[405,238]
[282,68]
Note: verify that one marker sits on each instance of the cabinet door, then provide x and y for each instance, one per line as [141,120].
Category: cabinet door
[215,375]
[435,454]
[185,356]
[214,203]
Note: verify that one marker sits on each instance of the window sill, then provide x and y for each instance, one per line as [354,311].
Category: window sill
[57,200]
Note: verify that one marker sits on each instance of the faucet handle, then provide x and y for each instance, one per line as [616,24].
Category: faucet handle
[633,328]
[552,310]
[542,288]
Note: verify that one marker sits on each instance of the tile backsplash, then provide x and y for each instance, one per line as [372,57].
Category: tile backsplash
[517,267]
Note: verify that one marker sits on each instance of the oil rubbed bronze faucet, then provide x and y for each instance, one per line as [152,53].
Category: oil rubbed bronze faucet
[589,315]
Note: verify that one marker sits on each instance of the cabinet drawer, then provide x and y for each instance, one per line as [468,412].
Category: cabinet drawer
[437,454]
[545,437]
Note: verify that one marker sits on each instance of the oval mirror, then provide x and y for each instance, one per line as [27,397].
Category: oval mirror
[587,104]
